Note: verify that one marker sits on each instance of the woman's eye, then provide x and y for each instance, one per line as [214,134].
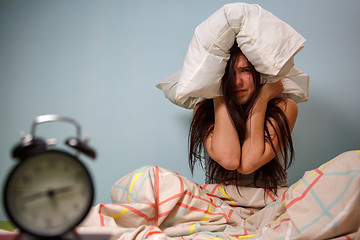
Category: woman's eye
[245,69]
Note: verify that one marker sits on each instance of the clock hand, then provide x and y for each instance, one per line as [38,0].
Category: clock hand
[50,193]
[35,196]
[63,189]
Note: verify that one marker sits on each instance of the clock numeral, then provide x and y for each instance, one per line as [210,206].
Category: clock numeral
[37,169]
[25,178]
[52,164]
[75,205]
[78,176]
[49,223]
[65,217]
[83,191]
[22,207]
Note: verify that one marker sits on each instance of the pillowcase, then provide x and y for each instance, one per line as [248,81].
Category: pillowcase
[269,44]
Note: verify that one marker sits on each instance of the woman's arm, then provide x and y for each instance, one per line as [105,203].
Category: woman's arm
[223,143]
[256,152]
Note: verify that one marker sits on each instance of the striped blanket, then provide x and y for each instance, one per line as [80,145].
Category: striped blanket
[156,203]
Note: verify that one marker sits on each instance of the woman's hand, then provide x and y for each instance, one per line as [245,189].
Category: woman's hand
[270,90]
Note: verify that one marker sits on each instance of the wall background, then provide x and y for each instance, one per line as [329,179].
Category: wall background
[98,62]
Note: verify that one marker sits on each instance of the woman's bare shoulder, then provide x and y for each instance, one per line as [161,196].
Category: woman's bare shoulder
[290,109]
[287,104]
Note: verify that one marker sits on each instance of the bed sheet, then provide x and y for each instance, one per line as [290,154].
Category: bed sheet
[157,203]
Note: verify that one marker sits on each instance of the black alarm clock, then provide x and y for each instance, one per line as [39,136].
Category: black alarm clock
[50,191]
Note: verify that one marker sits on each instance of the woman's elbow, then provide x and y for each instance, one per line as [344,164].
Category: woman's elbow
[246,168]
[229,162]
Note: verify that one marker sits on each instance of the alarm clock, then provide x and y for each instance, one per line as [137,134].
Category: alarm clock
[50,191]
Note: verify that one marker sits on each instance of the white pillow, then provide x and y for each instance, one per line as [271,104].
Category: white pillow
[269,44]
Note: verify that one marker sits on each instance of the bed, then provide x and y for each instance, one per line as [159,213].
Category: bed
[156,203]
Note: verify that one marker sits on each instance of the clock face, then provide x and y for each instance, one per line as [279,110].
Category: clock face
[48,194]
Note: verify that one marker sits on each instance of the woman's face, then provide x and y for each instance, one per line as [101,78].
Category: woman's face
[244,80]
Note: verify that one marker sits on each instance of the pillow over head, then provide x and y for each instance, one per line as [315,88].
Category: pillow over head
[269,44]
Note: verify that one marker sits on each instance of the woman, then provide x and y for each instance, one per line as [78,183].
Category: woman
[246,137]
[246,131]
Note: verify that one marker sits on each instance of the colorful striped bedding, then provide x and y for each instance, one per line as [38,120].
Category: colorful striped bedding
[156,203]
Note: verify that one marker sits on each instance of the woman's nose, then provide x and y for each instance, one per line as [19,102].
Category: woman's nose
[239,80]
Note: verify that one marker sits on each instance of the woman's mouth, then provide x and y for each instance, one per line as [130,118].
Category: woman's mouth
[240,92]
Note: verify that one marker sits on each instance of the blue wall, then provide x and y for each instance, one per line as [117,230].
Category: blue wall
[98,62]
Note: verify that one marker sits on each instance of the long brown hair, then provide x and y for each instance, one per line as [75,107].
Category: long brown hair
[272,173]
